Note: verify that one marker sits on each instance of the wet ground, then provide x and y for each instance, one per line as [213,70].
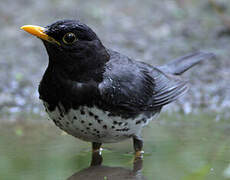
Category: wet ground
[195,147]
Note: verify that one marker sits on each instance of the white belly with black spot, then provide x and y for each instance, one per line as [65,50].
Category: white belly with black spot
[95,125]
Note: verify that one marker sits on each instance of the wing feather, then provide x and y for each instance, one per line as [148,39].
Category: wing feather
[132,87]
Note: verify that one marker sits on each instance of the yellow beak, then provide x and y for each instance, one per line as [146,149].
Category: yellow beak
[39,32]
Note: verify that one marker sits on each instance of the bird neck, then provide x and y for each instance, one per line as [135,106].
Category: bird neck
[75,72]
[80,66]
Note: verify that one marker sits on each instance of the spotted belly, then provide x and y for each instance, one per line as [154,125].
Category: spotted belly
[95,125]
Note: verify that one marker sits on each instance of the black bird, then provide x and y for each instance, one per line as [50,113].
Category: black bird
[99,95]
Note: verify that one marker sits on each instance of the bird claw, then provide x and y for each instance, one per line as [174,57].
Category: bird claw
[138,155]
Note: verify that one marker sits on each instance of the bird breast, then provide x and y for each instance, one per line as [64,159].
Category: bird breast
[95,125]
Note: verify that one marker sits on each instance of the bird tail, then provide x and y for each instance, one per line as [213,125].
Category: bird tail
[182,64]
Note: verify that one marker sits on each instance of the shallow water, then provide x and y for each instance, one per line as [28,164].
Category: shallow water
[193,148]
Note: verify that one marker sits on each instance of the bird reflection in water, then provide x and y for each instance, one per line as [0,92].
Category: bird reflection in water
[97,171]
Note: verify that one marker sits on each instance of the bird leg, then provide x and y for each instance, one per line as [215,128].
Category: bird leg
[137,166]
[138,145]
[96,154]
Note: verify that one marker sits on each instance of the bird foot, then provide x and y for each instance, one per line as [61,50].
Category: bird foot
[138,155]
[97,151]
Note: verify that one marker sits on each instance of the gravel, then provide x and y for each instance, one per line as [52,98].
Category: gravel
[148,30]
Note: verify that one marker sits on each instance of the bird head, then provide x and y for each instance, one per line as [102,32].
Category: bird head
[73,48]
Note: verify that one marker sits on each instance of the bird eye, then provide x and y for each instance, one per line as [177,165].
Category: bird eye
[69,38]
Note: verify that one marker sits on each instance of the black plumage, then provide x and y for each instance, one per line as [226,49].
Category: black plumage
[83,73]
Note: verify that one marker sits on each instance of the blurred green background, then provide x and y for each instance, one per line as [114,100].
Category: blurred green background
[190,140]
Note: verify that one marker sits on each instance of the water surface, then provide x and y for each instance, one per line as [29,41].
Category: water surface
[179,147]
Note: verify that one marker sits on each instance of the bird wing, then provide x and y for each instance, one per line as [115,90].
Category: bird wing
[167,88]
[132,87]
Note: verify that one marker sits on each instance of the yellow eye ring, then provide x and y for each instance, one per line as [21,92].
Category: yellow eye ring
[69,38]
